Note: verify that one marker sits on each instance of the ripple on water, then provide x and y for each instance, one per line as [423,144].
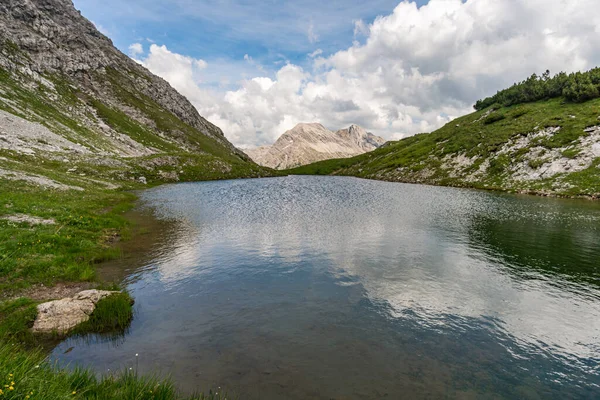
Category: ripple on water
[330,287]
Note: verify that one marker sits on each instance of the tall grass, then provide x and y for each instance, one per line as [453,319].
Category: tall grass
[111,315]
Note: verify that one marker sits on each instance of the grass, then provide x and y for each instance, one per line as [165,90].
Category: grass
[28,375]
[480,136]
[65,251]
[122,123]
[16,317]
[112,314]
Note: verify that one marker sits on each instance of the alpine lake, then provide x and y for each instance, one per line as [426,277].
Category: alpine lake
[308,287]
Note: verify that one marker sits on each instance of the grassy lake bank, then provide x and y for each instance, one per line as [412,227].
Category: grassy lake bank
[53,244]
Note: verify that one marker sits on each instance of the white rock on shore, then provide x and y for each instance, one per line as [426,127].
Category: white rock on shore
[65,314]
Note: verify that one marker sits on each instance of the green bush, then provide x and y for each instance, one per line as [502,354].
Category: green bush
[580,88]
[575,87]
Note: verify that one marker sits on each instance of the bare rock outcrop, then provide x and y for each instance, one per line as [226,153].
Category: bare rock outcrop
[28,219]
[65,314]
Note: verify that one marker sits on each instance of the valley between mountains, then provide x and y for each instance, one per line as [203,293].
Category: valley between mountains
[84,129]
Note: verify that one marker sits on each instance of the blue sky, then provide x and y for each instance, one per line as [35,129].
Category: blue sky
[270,31]
[407,67]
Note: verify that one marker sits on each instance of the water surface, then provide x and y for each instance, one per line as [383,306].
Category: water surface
[341,288]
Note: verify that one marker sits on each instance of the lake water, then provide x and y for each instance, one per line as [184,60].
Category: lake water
[341,288]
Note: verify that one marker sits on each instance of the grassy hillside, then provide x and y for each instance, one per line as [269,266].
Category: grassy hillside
[71,156]
[548,146]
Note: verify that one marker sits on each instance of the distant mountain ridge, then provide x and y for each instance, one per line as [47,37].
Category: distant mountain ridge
[311,142]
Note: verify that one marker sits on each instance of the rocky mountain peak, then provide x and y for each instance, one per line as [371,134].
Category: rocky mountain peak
[308,125]
[310,142]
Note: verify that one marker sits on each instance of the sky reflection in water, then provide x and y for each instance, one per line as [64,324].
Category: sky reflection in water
[329,287]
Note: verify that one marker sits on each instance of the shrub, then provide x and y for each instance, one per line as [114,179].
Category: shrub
[580,88]
[576,87]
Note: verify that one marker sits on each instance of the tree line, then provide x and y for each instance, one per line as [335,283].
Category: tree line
[576,87]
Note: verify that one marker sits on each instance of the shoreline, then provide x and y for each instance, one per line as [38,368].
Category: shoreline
[23,354]
[472,187]
[141,221]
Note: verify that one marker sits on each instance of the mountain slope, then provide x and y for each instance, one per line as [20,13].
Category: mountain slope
[307,143]
[547,147]
[92,108]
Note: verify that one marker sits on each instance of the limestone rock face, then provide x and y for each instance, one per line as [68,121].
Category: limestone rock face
[43,42]
[65,314]
[308,143]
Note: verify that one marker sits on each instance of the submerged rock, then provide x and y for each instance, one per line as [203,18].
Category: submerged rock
[65,314]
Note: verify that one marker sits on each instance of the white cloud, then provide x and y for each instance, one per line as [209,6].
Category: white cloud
[136,49]
[315,53]
[417,68]
[182,72]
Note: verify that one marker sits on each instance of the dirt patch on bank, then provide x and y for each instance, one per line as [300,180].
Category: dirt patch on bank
[40,292]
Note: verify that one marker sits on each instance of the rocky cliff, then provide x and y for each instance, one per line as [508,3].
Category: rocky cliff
[308,143]
[68,94]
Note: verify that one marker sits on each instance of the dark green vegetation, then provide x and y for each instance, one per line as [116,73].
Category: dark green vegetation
[16,318]
[575,87]
[507,148]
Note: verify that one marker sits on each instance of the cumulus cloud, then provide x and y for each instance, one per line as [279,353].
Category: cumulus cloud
[180,71]
[417,68]
[136,49]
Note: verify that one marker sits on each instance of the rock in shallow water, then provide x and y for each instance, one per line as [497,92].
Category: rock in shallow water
[65,314]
